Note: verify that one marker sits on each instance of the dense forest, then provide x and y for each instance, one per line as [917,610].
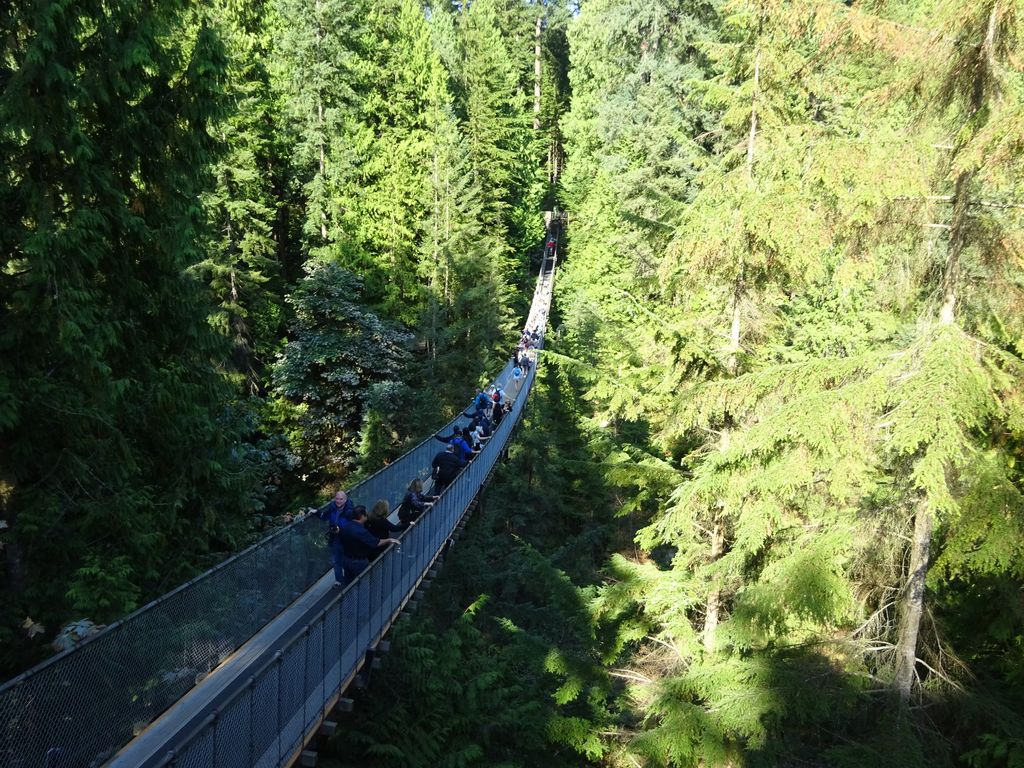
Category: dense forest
[766,507]
[251,250]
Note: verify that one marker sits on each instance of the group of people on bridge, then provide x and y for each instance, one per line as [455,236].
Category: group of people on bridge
[521,354]
[357,537]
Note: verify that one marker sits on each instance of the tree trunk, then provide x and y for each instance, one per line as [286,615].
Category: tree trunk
[957,241]
[732,364]
[446,253]
[538,29]
[10,552]
[913,601]
[714,604]
[434,275]
[715,595]
[961,190]
[323,163]
[320,121]
[13,567]
[753,116]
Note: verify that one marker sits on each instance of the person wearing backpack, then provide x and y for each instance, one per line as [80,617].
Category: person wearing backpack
[415,502]
[481,401]
[462,449]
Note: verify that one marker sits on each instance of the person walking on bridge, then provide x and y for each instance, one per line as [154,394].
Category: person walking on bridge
[457,439]
[481,401]
[446,468]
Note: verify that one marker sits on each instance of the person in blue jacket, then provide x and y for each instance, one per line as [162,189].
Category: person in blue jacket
[481,402]
[462,449]
[335,512]
[338,508]
[358,544]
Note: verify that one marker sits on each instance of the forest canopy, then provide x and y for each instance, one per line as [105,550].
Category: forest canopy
[767,509]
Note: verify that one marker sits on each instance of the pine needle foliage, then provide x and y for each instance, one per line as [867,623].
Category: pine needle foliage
[341,354]
[826,362]
[117,464]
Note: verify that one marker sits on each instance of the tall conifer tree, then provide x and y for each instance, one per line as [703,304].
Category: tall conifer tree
[241,268]
[321,70]
[114,459]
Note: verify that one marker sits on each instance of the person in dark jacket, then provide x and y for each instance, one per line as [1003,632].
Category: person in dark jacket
[359,545]
[501,411]
[378,524]
[415,502]
[462,449]
[446,468]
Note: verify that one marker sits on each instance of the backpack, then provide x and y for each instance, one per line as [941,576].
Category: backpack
[406,512]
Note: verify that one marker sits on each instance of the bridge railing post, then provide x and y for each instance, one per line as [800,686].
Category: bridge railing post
[279,663]
[250,752]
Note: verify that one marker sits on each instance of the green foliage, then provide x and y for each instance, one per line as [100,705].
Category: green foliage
[241,267]
[116,449]
[338,350]
[321,71]
[104,589]
[758,313]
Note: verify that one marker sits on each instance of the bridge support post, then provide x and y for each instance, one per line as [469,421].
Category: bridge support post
[328,727]
[362,680]
[345,705]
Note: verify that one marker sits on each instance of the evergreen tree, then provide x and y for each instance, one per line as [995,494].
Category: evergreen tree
[321,71]
[241,268]
[844,416]
[341,360]
[116,467]
[461,261]
[495,110]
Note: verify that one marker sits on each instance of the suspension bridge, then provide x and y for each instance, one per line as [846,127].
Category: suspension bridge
[242,666]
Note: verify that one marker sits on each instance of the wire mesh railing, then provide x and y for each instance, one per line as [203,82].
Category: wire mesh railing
[79,707]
